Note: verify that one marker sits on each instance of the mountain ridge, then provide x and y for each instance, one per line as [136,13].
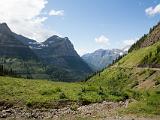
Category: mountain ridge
[57,54]
[101,58]
[147,39]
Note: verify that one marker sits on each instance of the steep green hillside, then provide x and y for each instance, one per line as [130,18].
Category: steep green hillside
[134,77]
[148,55]
[148,39]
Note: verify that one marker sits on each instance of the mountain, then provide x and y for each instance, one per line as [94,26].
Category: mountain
[131,86]
[17,56]
[54,58]
[62,60]
[102,58]
[11,47]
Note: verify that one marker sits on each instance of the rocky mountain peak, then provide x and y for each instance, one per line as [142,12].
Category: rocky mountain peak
[4,28]
[56,40]
[101,58]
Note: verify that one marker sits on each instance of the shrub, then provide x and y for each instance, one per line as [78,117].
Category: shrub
[47,92]
[135,83]
[136,95]
[29,103]
[62,95]
[74,107]
[58,89]
[83,89]
[101,91]
[158,92]
[157,81]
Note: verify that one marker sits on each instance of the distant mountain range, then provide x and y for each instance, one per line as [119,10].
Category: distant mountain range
[101,58]
[54,58]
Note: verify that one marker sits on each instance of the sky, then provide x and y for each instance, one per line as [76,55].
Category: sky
[89,24]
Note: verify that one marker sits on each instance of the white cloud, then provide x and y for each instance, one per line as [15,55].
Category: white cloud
[82,51]
[25,17]
[151,11]
[102,40]
[129,42]
[56,13]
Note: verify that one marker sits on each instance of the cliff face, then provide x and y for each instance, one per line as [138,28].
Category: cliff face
[152,37]
[56,47]
[62,60]
[148,39]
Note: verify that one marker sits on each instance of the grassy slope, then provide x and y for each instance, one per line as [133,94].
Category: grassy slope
[142,84]
[119,82]
[137,57]
[30,92]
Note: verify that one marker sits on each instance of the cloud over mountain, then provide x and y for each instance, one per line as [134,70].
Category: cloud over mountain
[25,17]
[102,40]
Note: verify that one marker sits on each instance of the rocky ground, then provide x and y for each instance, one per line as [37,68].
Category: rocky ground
[97,111]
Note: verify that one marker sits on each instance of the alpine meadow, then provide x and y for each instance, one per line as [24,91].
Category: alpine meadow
[45,75]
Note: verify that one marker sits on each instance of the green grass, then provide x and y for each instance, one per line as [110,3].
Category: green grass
[117,83]
[113,84]
[136,57]
[42,93]
[36,91]
[149,105]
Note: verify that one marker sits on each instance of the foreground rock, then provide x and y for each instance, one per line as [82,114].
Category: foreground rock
[97,111]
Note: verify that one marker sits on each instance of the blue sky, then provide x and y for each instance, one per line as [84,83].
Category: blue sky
[117,20]
[89,24]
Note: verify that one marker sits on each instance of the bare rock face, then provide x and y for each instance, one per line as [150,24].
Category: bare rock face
[60,46]
[56,47]
[152,37]
[4,28]
[60,53]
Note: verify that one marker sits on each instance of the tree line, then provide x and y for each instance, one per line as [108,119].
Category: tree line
[7,72]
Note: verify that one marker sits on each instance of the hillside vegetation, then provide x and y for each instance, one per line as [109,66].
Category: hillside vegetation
[124,80]
[144,56]
[131,78]
[147,39]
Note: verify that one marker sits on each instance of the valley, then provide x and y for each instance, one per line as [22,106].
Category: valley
[131,85]
[47,79]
